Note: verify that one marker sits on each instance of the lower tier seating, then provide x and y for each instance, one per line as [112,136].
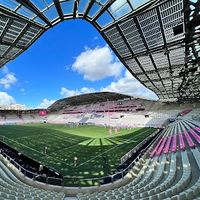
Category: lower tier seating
[165,174]
[13,189]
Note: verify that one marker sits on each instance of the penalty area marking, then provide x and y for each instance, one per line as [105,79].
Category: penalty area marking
[109,150]
[63,137]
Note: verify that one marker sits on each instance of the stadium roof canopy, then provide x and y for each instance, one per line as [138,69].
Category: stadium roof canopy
[87,99]
[157,40]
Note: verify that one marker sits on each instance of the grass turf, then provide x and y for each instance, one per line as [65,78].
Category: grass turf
[90,144]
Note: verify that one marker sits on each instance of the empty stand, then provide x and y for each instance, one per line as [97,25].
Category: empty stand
[12,188]
[170,171]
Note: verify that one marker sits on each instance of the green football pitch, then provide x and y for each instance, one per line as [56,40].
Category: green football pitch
[92,145]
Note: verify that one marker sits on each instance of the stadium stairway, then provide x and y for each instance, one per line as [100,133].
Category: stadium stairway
[13,189]
[171,170]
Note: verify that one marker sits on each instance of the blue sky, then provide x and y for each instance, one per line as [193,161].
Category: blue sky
[70,59]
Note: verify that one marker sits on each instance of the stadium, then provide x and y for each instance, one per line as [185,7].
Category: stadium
[107,145]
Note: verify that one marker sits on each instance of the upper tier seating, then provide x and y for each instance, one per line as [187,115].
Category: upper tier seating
[120,119]
[184,133]
[185,112]
[112,106]
[25,118]
[194,115]
[170,171]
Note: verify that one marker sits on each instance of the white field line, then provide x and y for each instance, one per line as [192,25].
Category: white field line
[30,136]
[63,137]
[109,150]
[73,146]
[38,152]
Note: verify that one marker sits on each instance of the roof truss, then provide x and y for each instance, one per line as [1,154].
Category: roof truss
[157,42]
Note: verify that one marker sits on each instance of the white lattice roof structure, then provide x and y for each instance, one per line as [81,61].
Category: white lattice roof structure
[157,40]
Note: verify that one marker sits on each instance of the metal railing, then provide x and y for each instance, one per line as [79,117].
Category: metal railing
[125,157]
[30,174]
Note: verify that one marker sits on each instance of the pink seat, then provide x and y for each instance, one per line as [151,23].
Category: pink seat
[167,147]
[174,143]
[189,139]
[195,135]
[197,129]
[155,149]
[181,141]
[158,153]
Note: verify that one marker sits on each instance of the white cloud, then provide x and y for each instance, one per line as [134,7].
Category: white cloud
[5,70]
[67,67]
[131,86]
[46,103]
[96,64]
[6,99]
[68,93]
[85,90]
[8,78]
[127,84]
[23,91]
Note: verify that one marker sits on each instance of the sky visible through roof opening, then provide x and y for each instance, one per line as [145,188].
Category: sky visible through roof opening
[70,59]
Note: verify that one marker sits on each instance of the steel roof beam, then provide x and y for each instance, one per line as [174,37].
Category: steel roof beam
[166,78]
[165,43]
[190,26]
[76,3]
[91,3]
[151,4]
[12,45]
[163,36]
[24,30]
[59,9]
[5,57]
[121,59]
[29,5]
[15,16]
[18,39]
[104,8]
[189,39]
[146,45]
[158,49]
[129,47]
[6,28]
